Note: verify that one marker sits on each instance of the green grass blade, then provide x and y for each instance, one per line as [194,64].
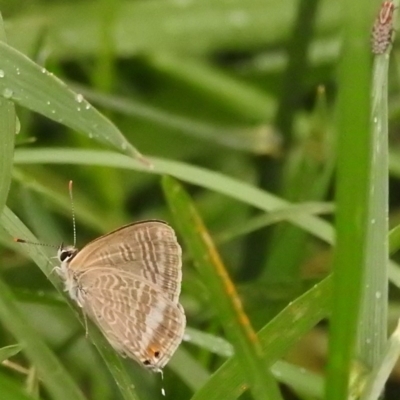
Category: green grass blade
[228,382]
[352,195]
[9,351]
[54,376]
[40,256]
[375,384]
[188,369]
[222,291]
[203,177]
[8,131]
[394,239]
[215,344]
[32,86]
[372,334]
[260,139]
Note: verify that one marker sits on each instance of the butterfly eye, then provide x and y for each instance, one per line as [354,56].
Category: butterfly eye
[156,354]
[146,362]
[64,254]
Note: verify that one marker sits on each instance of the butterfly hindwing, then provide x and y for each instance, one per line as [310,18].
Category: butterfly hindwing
[135,317]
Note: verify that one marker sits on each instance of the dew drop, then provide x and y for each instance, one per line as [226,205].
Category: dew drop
[90,135]
[378,295]
[7,93]
[48,102]
[2,74]
[238,18]
[79,98]
[18,71]
[17,125]
[44,70]
[78,109]
[87,106]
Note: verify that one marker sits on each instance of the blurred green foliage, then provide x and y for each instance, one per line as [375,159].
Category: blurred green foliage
[237,99]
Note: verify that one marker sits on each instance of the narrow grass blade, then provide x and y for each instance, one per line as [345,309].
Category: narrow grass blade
[188,369]
[16,228]
[306,383]
[54,376]
[32,86]
[378,377]
[9,351]
[8,131]
[372,334]
[203,177]
[215,344]
[394,239]
[352,195]
[261,139]
[273,217]
[276,338]
[222,291]
[87,213]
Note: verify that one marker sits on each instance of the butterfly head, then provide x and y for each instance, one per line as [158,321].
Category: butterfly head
[66,253]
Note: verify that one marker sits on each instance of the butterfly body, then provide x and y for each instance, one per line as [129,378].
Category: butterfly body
[128,282]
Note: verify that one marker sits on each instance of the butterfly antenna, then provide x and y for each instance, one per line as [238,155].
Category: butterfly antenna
[73,211]
[18,240]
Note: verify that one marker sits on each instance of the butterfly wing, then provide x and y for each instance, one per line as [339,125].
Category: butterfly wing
[147,249]
[134,316]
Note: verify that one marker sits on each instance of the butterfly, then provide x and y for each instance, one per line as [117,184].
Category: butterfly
[128,283]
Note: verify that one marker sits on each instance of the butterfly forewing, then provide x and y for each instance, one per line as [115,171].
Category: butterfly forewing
[148,250]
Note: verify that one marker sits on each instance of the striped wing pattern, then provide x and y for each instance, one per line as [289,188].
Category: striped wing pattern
[129,284]
[134,316]
[147,249]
